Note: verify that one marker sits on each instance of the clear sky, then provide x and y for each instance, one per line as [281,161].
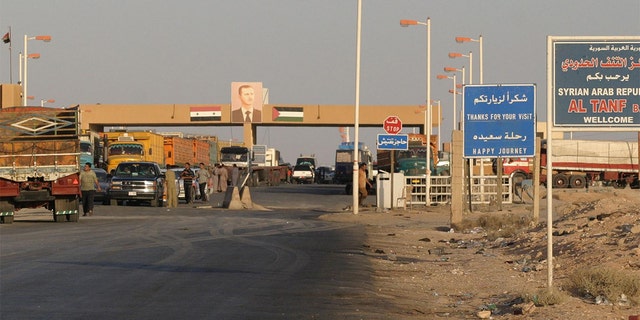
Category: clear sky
[189,51]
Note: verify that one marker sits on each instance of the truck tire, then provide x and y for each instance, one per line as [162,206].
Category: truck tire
[6,206]
[577,182]
[73,205]
[59,217]
[68,206]
[560,181]
[157,202]
[6,219]
[619,184]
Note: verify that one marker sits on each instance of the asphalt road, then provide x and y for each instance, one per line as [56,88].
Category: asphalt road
[138,262]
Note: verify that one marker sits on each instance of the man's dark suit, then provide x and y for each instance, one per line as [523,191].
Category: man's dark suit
[237,116]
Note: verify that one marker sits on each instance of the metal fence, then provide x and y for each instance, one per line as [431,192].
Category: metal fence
[483,189]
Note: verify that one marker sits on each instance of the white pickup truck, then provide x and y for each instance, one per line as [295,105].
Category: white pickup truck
[303,173]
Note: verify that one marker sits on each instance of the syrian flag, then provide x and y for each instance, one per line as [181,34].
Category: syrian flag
[289,114]
[6,38]
[210,113]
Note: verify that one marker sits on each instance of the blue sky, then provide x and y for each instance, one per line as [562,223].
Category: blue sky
[189,51]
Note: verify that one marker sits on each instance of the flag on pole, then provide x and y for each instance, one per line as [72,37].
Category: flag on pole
[6,38]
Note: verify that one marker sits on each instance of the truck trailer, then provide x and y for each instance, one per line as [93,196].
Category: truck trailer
[580,163]
[39,162]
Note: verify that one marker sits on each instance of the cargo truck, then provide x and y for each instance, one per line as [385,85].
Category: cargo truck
[177,151]
[344,164]
[134,146]
[262,164]
[39,162]
[413,161]
[577,163]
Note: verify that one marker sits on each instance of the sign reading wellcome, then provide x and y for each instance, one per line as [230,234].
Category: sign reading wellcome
[596,83]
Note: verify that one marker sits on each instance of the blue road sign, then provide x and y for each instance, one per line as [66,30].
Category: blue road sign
[499,121]
[596,83]
[393,142]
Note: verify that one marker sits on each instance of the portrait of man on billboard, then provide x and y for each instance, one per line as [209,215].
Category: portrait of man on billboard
[246,102]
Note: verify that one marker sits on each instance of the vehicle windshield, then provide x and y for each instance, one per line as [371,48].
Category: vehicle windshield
[120,149]
[413,152]
[85,147]
[102,175]
[143,170]
[233,157]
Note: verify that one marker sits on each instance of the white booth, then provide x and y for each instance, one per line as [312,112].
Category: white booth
[385,197]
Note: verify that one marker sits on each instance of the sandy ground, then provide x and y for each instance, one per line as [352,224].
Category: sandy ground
[433,271]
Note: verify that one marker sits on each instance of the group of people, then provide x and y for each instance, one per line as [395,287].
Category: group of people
[210,180]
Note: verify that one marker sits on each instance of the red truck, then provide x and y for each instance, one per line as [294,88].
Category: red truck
[39,162]
[579,162]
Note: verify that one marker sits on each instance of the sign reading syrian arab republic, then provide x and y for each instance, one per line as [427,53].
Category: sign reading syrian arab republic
[596,82]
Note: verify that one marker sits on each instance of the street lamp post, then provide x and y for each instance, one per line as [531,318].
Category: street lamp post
[479,41]
[452,69]
[26,56]
[439,123]
[470,56]
[43,101]
[444,76]
[427,120]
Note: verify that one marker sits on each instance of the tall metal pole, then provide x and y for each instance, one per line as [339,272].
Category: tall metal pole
[455,108]
[25,55]
[470,68]
[481,78]
[428,118]
[356,180]
[439,125]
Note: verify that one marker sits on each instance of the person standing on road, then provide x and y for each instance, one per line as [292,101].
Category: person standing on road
[172,192]
[235,175]
[223,180]
[88,185]
[363,182]
[215,176]
[203,176]
[187,176]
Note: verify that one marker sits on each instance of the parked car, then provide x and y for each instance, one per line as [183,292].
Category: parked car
[103,181]
[303,173]
[195,190]
[325,174]
[137,182]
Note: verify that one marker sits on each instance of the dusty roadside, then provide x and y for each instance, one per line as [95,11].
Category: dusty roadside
[433,271]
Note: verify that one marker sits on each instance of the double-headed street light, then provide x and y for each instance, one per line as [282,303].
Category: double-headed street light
[479,41]
[26,56]
[453,77]
[427,116]
[43,101]
[470,56]
[452,69]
